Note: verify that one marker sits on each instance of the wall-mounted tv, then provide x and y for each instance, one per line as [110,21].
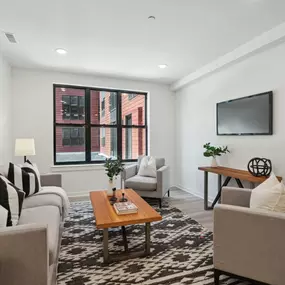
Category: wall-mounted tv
[252,115]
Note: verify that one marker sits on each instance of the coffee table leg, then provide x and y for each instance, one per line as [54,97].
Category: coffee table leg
[125,238]
[147,238]
[105,245]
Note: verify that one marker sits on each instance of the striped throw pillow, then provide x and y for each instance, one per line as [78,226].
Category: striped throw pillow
[11,198]
[25,177]
[3,217]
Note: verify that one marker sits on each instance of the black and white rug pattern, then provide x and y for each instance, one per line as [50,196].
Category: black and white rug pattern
[181,252]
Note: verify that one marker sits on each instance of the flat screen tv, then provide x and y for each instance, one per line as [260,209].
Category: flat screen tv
[250,115]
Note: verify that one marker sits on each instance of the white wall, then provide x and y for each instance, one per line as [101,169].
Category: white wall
[33,117]
[195,118]
[5,115]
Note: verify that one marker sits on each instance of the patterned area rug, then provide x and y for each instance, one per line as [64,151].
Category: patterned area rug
[181,252]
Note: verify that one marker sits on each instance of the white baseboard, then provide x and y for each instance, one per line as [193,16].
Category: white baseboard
[84,195]
[195,193]
[78,196]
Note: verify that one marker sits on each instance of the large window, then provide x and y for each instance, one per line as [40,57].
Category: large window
[93,124]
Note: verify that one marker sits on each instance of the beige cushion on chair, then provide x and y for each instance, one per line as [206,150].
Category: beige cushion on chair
[159,162]
[147,167]
[141,183]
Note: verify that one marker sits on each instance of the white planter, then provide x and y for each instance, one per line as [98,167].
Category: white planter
[214,162]
[111,186]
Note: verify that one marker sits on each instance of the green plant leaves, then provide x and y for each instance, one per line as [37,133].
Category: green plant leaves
[113,167]
[214,151]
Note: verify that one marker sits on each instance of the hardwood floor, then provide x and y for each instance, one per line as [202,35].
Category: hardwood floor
[191,205]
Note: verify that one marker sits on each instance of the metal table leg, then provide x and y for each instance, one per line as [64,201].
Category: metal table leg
[125,238]
[219,185]
[239,183]
[147,238]
[206,207]
[220,191]
[105,245]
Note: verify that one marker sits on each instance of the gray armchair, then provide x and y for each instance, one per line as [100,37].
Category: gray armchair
[148,187]
[248,242]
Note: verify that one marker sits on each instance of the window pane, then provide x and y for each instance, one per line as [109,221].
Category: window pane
[133,105]
[70,105]
[103,107]
[103,143]
[70,144]
[133,142]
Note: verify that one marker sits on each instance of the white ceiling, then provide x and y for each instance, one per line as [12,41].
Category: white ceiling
[115,38]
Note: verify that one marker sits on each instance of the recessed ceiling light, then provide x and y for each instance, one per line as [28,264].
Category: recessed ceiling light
[162,66]
[61,51]
[151,18]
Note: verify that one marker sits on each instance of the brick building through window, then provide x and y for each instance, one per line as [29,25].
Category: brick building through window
[92,124]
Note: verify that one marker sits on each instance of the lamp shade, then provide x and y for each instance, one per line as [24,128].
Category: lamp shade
[24,147]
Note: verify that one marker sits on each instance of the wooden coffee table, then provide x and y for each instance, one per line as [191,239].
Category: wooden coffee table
[106,217]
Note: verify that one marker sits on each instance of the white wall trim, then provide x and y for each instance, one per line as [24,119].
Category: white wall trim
[79,196]
[261,42]
[77,167]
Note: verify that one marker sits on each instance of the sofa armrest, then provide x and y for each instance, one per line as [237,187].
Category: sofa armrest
[129,171]
[51,180]
[163,180]
[24,255]
[236,196]
[250,243]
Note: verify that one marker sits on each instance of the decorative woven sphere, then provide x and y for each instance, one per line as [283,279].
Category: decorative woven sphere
[259,166]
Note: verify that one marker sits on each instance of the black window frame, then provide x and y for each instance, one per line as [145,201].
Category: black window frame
[119,125]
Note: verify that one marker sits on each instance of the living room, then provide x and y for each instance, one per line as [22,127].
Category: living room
[143,52]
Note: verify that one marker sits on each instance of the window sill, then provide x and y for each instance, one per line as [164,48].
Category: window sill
[82,167]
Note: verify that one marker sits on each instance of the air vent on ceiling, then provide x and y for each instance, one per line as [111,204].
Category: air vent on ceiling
[11,38]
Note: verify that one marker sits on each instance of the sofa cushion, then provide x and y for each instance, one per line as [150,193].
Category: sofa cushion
[43,200]
[141,183]
[45,215]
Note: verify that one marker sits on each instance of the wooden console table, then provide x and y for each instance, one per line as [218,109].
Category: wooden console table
[229,173]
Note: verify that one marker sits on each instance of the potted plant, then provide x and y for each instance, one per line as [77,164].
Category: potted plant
[213,151]
[113,168]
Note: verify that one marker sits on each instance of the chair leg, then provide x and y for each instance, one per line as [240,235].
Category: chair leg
[168,193]
[159,201]
[217,274]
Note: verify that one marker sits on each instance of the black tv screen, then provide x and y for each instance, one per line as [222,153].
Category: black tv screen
[250,115]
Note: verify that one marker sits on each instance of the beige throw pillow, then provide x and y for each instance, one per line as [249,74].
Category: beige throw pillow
[147,167]
[269,196]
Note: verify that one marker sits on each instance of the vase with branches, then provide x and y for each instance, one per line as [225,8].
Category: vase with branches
[213,151]
[113,168]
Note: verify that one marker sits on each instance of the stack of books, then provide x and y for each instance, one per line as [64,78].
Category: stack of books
[124,208]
